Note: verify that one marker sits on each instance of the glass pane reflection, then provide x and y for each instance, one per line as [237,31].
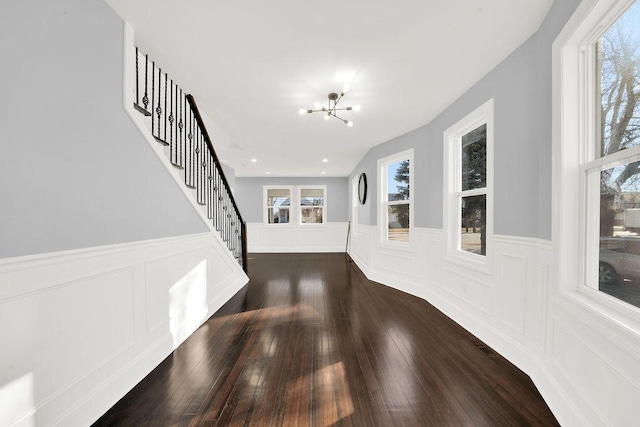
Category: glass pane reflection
[278,215]
[619,264]
[398,227]
[474,221]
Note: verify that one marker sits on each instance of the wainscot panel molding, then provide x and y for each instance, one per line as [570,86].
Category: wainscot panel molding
[593,359]
[506,308]
[82,327]
[282,238]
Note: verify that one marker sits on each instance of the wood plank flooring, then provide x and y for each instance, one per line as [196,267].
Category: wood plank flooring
[311,342]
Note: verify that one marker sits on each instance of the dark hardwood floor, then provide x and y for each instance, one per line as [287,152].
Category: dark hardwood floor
[311,342]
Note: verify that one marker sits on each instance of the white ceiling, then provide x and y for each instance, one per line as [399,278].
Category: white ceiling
[252,64]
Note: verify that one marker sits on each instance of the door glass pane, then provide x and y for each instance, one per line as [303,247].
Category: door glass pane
[619,264]
[278,215]
[398,181]
[311,215]
[474,224]
[474,159]
[619,90]
[398,224]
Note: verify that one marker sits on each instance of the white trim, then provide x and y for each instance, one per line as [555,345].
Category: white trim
[291,207]
[383,201]
[482,115]
[324,204]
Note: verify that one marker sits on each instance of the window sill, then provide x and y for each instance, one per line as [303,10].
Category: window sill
[597,308]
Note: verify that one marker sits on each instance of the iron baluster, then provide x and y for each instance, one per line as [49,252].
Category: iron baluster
[180,126]
[153,92]
[190,137]
[165,107]
[159,108]
[170,125]
[203,171]
[145,98]
[196,158]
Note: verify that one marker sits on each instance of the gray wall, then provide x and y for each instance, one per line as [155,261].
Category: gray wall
[74,170]
[248,194]
[521,87]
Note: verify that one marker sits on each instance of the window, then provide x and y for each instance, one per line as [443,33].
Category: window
[396,209]
[278,204]
[312,204]
[611,163]
[469,154]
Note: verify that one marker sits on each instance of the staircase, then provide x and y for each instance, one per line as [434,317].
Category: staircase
[175,122]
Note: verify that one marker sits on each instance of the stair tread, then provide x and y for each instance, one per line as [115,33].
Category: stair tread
[141,109]
[160,140]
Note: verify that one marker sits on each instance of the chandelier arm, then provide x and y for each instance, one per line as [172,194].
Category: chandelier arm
[335,103]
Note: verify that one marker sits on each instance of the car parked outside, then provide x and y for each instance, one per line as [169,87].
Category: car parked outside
[619,259]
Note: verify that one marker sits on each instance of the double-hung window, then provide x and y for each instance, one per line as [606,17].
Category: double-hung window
[396,209]
[468,206]
[278,204]
[602,116]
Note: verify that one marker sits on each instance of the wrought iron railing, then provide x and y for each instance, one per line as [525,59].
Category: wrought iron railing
[176,122]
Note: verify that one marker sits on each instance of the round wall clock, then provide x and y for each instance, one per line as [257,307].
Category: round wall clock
[362,188]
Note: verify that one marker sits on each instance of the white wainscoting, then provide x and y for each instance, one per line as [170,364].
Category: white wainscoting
[81,328]
[282,238]
[506,308]
[503,308]
[581,354]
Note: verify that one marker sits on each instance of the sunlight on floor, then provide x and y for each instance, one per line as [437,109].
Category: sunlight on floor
[17,401]
[334,401]
[188,303]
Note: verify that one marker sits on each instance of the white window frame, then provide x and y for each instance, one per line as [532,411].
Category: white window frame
[299,203]
[384,203]
[576,169]
[453,188]
[292,205]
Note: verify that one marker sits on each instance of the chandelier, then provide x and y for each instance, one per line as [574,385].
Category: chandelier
[332,106]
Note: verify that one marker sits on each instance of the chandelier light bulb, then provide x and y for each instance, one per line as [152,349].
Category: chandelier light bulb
[327,116]
[357,107]
[302,111]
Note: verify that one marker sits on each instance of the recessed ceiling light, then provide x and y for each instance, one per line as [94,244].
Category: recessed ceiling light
[323,172]
[254,160]
[325,160]
[268,173]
